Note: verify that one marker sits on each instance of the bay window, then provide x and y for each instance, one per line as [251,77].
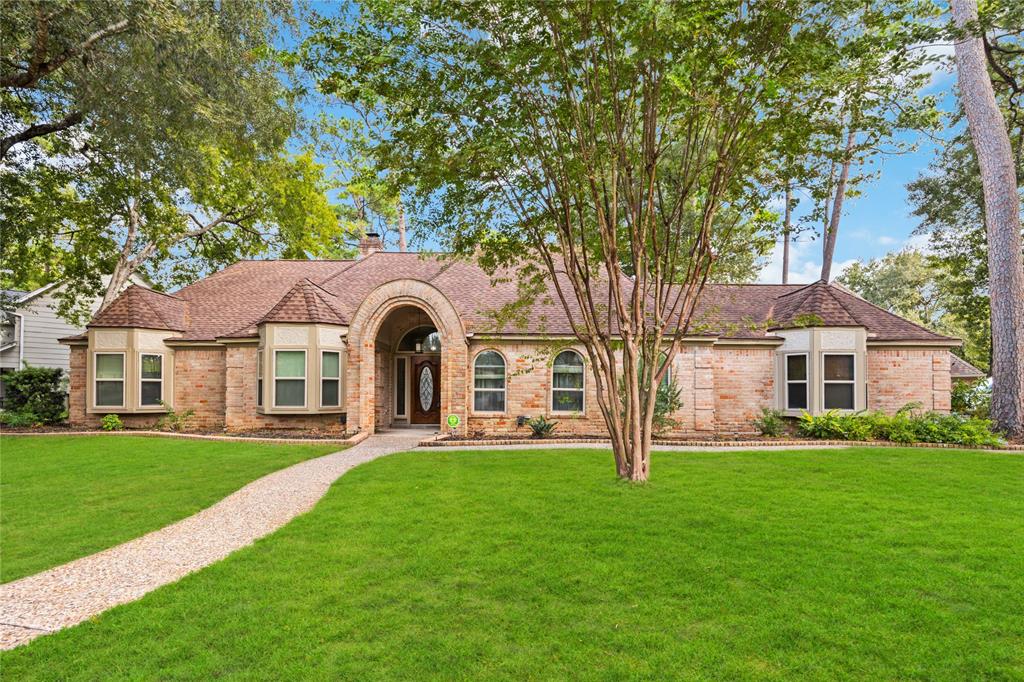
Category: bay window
[796,381]
[109,373]
[289,378]
[330,379]
[151,379]
[838,376]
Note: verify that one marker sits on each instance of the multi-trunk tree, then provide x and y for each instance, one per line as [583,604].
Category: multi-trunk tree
[593,145]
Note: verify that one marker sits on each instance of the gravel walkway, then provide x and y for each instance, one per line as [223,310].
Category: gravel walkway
[71,593]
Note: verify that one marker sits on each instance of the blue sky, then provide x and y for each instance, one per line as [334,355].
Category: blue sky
[879,220]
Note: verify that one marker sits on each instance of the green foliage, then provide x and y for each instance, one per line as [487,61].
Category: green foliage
[906,426]
[19,420]
[38,393]
[541,426]
[231,182]
[172,420]
[770,423]
[668,401]
[971,398]
[111,422]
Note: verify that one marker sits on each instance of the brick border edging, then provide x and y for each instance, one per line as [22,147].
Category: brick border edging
[438,443]
[353,440]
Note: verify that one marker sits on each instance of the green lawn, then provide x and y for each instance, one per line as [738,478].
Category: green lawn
[64,497]
[841,564]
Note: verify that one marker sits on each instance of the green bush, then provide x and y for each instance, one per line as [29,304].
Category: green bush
[38,392]
[174,421]
[906,426]
[111,422]
[541,426]
[19,420]
[770,423]
[972,398]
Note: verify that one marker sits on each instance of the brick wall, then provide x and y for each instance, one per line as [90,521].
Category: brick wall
[240,399]
[744,384]
[897,376]
[199,381]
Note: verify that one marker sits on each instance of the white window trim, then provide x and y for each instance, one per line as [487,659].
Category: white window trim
[152,381]
[504,383]
[260,386]
[852,382]
[124,377]
[402,360]
[326,378]
[786,381]
[582,390]
[305,378]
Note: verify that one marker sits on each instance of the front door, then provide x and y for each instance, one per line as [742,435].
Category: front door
[426,390]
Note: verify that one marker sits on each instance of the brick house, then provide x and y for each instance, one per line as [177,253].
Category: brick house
[402,339]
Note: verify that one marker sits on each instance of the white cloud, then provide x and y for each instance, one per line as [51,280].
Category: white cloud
[804,264]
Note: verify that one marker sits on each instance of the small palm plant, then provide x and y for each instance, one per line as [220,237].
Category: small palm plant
[541,426]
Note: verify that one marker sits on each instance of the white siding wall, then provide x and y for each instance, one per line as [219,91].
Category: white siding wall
[42,329]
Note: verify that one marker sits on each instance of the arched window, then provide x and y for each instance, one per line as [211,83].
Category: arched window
[421,340]
[489,382]
[567,382]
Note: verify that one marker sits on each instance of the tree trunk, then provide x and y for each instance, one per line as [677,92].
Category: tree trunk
[118,278]
[401,228]
[829,249]
[785,234]
[1002,223]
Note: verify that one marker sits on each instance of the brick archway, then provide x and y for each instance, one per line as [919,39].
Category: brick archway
[362,342]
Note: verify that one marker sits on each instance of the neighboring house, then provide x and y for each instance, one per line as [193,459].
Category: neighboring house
[402,339]
[30,330]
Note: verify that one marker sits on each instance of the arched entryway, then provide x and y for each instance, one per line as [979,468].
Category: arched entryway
[407,358]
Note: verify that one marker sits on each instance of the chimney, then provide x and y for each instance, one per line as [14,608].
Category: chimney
[370,244]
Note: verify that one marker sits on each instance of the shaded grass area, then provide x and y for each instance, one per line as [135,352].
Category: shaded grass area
[839,564]
[67,497]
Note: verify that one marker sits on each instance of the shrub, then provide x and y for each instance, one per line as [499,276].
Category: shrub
[19,420]
[37,391]
[906,426]
[173,421]
[770,423]
[111,422]
[541,426]
[667,402]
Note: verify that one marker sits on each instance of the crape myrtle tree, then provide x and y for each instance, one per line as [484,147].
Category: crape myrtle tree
[1000,186]
[577,141]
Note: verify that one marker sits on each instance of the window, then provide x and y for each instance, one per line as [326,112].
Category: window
[259,377]
[289,378]
[567,382]
[838,379]
[151,379]
[400,384]
[489,382]
[330,379]
[109,379]
[796,381]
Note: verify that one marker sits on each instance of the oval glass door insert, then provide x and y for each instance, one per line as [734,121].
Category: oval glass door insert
[426,388]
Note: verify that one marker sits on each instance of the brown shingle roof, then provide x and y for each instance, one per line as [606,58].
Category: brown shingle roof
[141,307]
[961,369]
[306,302]
[234,301]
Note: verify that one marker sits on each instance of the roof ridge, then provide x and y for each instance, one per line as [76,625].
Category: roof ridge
[892,314]
[162,293]
[831,292]
[799,289]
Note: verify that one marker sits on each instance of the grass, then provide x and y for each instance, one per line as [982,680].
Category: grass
[65,497]
[838,564]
